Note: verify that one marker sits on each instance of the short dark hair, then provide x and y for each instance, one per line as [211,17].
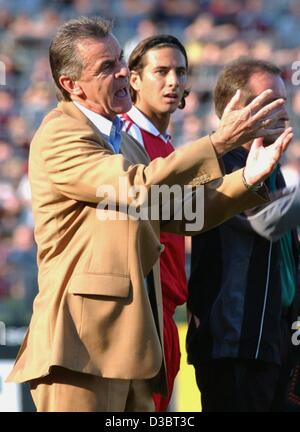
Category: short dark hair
[236,75]
[63,54]
[136,58]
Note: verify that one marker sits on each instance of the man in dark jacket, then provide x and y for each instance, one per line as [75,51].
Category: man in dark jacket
[242,287]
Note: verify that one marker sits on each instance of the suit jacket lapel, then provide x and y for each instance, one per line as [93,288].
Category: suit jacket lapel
[71,109]
[133,151]
[130,148]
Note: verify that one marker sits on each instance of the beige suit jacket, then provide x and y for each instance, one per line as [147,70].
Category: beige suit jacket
[92,313]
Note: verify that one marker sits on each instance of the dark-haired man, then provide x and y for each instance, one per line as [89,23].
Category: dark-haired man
[159,67]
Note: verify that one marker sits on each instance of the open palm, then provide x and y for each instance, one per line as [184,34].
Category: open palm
[261,160]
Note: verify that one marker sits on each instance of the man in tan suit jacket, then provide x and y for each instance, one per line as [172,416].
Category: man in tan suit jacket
[95,338]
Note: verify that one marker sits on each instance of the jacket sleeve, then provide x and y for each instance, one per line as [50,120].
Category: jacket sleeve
[281,215]
[217,202]
[78,163]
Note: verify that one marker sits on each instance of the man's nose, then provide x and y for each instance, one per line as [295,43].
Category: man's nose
[122,71]
[172,79]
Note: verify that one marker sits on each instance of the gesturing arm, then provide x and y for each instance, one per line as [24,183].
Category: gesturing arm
[279,216]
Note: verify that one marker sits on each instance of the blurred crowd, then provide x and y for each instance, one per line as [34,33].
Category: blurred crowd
[213,31]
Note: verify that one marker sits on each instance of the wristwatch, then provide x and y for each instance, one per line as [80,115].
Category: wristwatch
[254,187]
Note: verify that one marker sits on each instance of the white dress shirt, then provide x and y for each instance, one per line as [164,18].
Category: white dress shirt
[101,123]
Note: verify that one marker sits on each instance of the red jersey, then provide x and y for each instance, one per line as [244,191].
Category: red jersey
[172,265]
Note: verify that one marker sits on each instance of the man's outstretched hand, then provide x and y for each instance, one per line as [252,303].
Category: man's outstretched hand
[261,160]
[241,125]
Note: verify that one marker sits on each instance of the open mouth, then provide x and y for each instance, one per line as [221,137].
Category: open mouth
[172,97]
[122,92]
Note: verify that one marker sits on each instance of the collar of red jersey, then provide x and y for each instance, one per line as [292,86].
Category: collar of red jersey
[142,122]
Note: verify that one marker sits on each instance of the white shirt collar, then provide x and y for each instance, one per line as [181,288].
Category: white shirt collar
[141,120]
[102,124]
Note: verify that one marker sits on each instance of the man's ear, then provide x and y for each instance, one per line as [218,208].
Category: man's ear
[135,80]
[72,87]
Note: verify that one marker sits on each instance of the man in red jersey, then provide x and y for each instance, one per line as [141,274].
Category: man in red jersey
[158,81]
